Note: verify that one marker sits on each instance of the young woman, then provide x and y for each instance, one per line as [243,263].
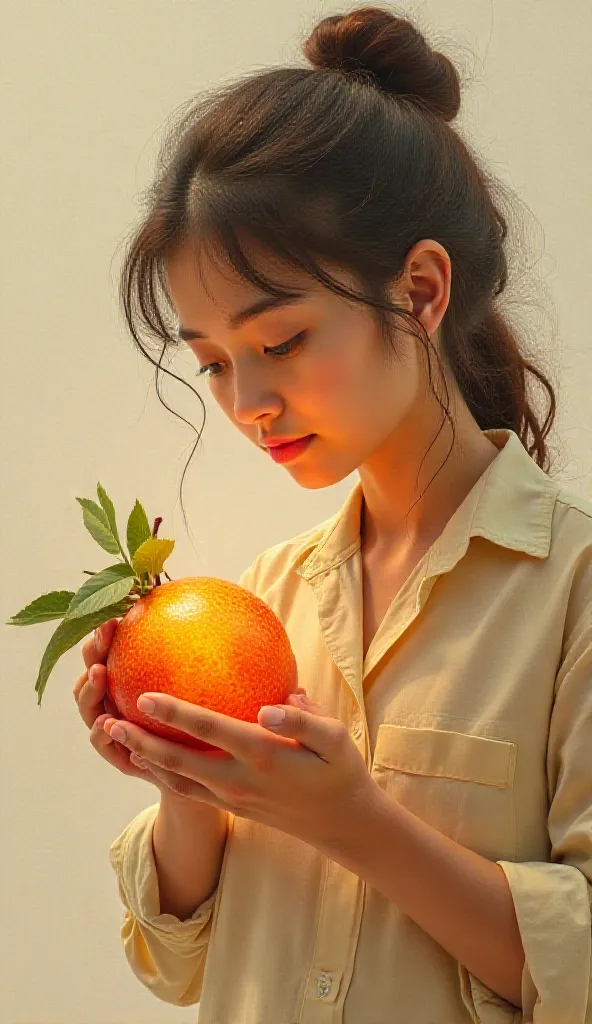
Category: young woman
[415,845]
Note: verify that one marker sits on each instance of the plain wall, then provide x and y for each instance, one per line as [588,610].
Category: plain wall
[86,90]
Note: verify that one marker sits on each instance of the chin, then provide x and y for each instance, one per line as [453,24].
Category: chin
[317,479]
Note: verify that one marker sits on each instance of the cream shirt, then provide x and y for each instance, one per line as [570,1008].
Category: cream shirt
[473,709]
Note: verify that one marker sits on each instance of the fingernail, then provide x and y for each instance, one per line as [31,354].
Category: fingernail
[98,642]
[92,675]
[273,716]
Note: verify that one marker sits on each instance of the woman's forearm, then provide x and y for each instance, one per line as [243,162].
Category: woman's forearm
[188,840]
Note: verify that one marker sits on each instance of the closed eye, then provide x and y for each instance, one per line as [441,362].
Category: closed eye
[287,348]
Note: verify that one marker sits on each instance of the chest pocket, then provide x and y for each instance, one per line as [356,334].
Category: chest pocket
[460,783]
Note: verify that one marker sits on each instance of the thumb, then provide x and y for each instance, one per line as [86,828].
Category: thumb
[320,734]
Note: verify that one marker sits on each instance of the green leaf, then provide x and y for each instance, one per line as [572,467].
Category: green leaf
[43,609]
[67,635]
[101,590]
[138,529]
[151,555]
[97,524]
[109,511]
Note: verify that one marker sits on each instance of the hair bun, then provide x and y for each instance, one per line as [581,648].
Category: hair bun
[371,42]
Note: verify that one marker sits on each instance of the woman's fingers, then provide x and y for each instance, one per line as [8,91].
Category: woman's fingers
[116,753]
[89,691]
[93,654]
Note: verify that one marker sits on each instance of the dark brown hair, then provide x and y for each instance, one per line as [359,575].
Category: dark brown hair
[350,161]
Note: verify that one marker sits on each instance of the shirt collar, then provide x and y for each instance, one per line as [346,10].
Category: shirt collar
[511,504]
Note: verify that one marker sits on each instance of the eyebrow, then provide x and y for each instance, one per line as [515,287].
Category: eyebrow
[263,305]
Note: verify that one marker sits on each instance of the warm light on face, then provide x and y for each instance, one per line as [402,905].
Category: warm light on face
[314,365]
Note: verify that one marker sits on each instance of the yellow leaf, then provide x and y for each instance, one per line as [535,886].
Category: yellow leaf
[151,555]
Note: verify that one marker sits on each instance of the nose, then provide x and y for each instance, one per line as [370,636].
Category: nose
[254,400]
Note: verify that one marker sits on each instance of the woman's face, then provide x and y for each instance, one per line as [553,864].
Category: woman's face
[336,384]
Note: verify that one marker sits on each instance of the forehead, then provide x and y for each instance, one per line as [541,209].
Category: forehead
[202,284]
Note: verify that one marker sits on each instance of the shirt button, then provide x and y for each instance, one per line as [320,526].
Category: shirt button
[323,985]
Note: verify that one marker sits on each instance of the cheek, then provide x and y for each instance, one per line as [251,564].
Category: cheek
[332,384]
[349,390]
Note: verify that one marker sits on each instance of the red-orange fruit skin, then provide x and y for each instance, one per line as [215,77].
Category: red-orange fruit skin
[206,641]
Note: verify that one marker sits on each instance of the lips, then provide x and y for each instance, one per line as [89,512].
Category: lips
[281,443]
[287,452]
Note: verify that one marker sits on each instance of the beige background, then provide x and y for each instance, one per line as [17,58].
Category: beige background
[86,89]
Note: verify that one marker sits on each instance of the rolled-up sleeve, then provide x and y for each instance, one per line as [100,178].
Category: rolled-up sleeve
[167,955]
[552,899]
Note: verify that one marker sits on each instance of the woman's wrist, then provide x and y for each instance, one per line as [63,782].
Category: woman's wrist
[175,803]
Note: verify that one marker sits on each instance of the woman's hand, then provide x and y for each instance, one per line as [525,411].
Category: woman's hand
[95,708]
[300,777]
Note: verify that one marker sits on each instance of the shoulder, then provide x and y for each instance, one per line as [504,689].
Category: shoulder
[581,507]
[572,524]
[570,557]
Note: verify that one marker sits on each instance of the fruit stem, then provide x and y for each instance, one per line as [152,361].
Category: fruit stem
[140,589]
[157,523]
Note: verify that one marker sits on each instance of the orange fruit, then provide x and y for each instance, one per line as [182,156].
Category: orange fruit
[206,641]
